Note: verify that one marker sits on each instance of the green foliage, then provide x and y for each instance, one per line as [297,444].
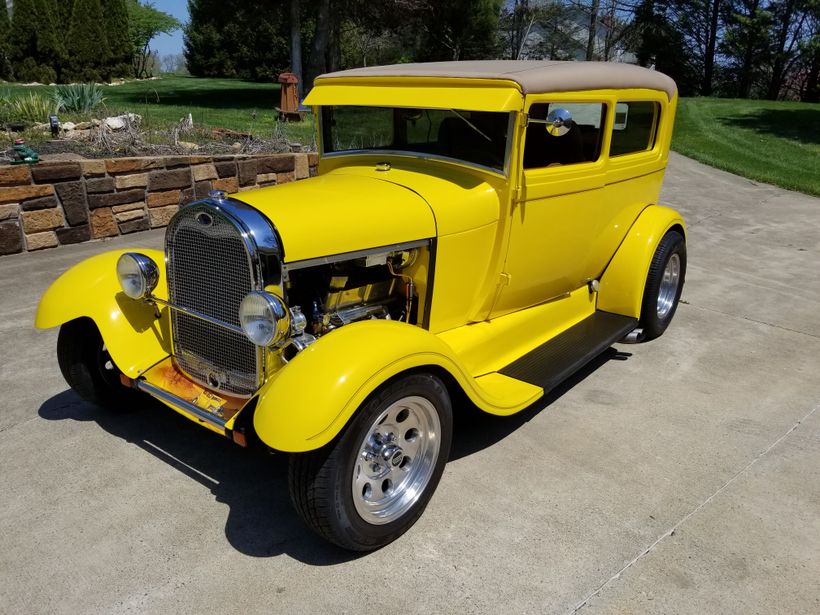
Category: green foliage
[87,43]
[115,14]
[252,44]
[31,108]
[144,23]
[5,49]
[78,97]
[459,29]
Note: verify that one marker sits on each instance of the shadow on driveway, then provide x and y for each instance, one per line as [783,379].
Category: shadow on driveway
[252,482]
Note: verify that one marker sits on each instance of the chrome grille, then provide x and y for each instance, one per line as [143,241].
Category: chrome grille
[210,271]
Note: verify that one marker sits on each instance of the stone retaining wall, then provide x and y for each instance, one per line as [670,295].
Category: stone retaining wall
[58,203]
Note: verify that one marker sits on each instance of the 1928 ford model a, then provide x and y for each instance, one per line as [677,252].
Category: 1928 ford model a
[476,228]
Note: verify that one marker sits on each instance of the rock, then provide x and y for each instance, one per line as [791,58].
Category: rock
[95,122]
[68,126]
[42,220]
[161,216]
[115,198]
[119,122]
[85,125]
[73,235]
[75,207]
[11,239]
[188,146]
[38,241]
[168,180]
[49,172]
[158,199]
[103,223]
[45,127]
[15,175]
[237,147]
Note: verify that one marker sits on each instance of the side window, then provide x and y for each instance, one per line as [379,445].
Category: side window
[578,140]
[634,128]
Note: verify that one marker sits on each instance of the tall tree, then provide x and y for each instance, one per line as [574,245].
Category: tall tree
[144,23]
[87,44]
[252,44]
[746,44]
[115,14]
[23,41]
[6,72]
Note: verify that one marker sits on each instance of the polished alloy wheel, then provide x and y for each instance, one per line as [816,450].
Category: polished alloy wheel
[396,460]
[669,286]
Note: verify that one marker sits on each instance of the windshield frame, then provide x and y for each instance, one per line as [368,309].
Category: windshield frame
[502,172]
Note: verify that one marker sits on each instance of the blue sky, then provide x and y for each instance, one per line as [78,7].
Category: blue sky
[166,44]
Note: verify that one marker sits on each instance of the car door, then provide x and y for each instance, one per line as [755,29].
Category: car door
[559,217]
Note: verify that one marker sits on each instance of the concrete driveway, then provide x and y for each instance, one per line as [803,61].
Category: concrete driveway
[678,476]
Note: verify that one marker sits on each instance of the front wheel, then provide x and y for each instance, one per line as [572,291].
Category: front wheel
[371,484]
[89,369]
[664,285]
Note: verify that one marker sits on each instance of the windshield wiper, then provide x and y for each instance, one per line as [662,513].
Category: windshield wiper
[470,124]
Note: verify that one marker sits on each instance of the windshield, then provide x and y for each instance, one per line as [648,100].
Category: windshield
[477,137]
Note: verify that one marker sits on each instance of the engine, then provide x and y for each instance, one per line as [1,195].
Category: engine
[327,296]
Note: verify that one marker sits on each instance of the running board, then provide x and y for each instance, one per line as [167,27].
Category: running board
[566,353]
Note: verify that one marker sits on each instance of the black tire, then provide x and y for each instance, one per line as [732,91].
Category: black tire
[88,369]
[654,319]
[322,482]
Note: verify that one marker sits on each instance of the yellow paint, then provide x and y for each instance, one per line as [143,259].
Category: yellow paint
[305,404]
[468,94]
[623,282]
[485,347]
[134,337]
[333,214]
[513,255]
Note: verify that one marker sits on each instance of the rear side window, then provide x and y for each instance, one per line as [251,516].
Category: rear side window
[634,128]
[580,141]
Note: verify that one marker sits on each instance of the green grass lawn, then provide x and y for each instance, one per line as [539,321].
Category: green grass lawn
[773,142]
[213,103]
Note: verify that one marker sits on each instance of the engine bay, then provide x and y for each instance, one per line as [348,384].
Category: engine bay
[326,296]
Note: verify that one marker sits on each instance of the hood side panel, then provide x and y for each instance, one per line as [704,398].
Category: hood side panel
[334,214]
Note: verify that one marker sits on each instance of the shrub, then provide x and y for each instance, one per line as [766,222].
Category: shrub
[31,108]
[78,97]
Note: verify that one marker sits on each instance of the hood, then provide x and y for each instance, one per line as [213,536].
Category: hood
[460,200]
[334,214]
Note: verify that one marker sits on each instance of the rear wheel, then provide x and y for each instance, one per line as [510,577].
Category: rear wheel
[88,368]
[371,485]
[664,285]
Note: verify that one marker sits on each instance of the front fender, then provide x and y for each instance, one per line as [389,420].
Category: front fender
[135,338]
[307,402]
[622,284]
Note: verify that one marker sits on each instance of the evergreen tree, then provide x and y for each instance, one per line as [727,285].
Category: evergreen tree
[115,13]
[252,44]
[87,44]
[50,50]
[5,62]
[23,41]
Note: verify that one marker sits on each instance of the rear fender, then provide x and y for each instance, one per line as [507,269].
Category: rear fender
[133,335]
[307,402]
[622,284]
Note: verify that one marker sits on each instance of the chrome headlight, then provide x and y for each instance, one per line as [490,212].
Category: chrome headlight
[264,318]
[138,275]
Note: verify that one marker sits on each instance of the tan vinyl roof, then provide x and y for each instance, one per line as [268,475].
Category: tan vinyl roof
[534,76]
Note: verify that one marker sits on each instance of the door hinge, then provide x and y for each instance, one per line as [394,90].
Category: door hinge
[504,279]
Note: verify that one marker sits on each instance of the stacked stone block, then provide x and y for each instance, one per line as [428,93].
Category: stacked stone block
[58,203]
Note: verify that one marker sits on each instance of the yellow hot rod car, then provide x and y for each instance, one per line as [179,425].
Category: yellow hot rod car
[480,229]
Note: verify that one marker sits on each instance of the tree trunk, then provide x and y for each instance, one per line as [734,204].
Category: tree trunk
[779,65]
[593,27]
[812,92]
[745,86]
[711,43]
[296,45]
[318,50]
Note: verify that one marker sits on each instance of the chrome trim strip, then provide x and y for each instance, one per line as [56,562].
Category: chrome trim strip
[172,399]
[346,256]
[195,314]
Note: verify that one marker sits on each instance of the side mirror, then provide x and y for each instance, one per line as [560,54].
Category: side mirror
[559,122]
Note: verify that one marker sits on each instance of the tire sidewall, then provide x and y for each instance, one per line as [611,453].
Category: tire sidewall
[359,531]
[653,326]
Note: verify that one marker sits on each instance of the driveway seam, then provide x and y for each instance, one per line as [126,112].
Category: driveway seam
[671,531]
